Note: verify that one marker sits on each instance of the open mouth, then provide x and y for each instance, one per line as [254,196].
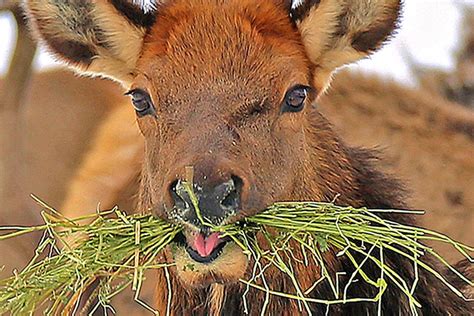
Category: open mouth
[202,248]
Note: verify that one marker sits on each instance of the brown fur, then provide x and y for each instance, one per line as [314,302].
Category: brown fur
[346,105]
[442,164]
[206,117]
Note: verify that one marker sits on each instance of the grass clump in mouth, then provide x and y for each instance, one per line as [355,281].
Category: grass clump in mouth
[115,249]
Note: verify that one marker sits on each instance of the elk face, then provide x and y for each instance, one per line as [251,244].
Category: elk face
[224,87]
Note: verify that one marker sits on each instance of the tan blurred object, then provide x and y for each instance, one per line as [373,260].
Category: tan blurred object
[11,115]
[33,114]
[60,117]
[14,87]
[8,4]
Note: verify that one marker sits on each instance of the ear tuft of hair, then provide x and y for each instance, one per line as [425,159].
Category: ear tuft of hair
[339,32]
[134,13]
[301,8]
[76,52]
[95,37]
[372,36]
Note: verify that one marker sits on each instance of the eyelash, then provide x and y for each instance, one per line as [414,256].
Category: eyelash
[292,95]
[142,102]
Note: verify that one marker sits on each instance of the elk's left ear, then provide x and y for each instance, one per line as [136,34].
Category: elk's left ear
[339,32]
[96,37]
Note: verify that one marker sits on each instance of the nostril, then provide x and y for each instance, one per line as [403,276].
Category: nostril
[238,183]
[173,186]
[178,200]
[232,198]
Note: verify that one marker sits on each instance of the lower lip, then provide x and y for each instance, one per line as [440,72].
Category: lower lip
[181,240]
[208,259]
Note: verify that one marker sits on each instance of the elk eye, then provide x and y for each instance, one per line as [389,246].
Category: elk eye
[141,101]
[295,99]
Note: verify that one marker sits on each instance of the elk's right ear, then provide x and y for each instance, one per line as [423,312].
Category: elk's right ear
[96,37]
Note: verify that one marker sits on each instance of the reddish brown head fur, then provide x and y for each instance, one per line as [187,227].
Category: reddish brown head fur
[219,97]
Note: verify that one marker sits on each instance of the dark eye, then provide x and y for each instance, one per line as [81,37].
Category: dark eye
[141,101]
[295,99]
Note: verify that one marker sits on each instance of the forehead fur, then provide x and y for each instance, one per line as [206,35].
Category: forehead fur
[223,35]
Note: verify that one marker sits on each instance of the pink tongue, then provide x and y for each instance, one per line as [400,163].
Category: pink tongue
[205,245]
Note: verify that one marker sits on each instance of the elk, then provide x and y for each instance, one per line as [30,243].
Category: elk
[230,88]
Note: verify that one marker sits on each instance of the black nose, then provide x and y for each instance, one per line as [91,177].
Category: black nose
[216,203]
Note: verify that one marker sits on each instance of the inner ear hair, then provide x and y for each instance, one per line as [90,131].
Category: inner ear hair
[339,32]
[96,37]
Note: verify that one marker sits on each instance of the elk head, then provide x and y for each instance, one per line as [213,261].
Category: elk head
[229,88]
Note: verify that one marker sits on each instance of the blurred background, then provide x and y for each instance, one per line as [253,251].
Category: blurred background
[414,100]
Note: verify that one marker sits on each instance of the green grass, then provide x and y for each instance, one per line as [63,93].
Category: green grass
[118,248]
